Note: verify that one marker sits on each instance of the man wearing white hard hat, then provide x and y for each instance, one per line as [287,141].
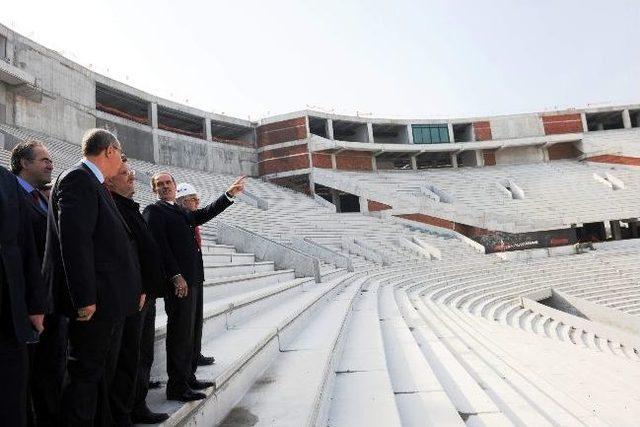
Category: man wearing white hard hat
[187,197]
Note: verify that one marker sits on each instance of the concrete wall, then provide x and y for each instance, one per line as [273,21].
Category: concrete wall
[137,143]
[202,155]
[68,94]
[516,127]
[519,155]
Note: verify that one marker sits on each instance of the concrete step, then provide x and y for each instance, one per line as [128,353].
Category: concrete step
[243,348]
[296,389]
[212,271]
[232,257]
[363,393]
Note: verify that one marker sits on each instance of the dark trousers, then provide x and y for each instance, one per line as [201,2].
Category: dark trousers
[93,354]
[147,343]
[197,329]
[14,372]
[48,360]
[122,387]
[181,314]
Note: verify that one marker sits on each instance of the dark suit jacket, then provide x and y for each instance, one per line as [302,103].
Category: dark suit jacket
[23,292]
[154,281]
[38,221]
[90,256]
[173,229]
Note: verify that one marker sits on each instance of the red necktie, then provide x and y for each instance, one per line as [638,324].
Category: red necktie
[198,237]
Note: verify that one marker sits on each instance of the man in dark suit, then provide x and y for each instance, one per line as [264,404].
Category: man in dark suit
[22,299]
[131,383]
[173,228]
[91,263]
[32,166]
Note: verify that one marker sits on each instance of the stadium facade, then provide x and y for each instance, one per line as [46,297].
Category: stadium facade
[367,296]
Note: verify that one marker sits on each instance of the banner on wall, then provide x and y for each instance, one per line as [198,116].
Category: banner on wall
[498,241]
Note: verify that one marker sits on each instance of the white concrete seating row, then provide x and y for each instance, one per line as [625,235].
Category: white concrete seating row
[556,194]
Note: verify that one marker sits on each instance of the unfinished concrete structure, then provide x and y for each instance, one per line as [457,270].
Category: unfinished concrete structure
[321,317]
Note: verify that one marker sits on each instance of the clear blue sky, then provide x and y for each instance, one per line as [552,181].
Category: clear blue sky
[412,59]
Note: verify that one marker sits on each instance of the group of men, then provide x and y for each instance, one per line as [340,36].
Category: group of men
[80,270]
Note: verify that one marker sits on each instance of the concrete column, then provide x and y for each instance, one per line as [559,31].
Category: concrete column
[364,204]
[479,158]
[410,134]
[329,129]
[370,132]
[450,129]
[616,233]
[545,154]
[626,119]
[333,162]
[207,129]
[454,160]
[312,183]
[156,147]
[153,115]
[374,163]
[585,126]
[335,199]
[414,163]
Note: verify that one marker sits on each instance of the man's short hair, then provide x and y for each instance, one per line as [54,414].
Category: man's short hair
[23,150]
[155,177]
[96,140]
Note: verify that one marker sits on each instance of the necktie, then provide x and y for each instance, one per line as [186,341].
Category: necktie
[39,200]
[198,237]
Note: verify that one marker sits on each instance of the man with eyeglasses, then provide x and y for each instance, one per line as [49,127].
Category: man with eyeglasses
[32,166]
[92,264]
[131,382]
[188,198]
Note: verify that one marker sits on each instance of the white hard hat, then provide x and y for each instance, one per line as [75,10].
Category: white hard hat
[186,189]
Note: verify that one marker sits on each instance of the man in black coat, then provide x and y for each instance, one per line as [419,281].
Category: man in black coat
[173,228]
[91,263]
[32,166]
[131,383]
[22,299]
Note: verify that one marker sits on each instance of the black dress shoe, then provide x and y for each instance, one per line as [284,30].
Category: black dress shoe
[155,384]
[186,396]
[146,416]
[205,361]
[200,385]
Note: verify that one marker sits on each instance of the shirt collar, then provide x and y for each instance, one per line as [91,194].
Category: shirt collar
[27,187]
[94,169]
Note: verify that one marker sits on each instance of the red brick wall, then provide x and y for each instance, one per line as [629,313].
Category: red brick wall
[354,160]
[321,160]
[562,123]
[563,150]
[467,230]
[283,164]
[482,131]
[619,160]
[282,152]
[287,130]
[377,206]
[283,159]
[431,220]
[489,157]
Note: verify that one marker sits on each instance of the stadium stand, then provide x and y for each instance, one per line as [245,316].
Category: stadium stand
[377,317]
[406,338]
